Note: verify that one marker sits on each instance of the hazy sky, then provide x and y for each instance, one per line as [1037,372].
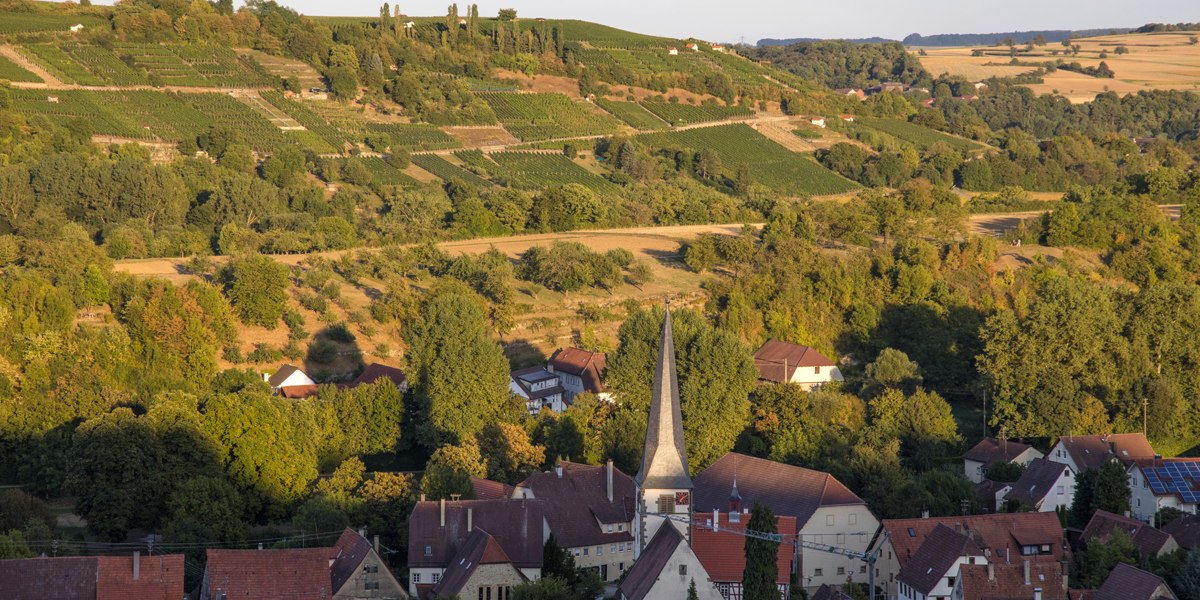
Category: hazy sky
[722,20]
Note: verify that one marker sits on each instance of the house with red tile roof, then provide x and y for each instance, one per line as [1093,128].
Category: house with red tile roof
[719,542]
[1004,537]
[480,569]
[376,372]
[784,362]
[990,451]
[1082,452]
[486,489]
[132,577]
[1127,582]
[590,510]
[1011,581]
[579,371]
[825,511]
[933,568]
[851,92]
[1045,486]
[1150,542]
[358,572]
[666,568]
[299,573]
[438,532]
[291,382]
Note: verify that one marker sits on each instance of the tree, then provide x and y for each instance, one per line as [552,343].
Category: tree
[692,593]
[1093,565]
[115,472]
[258,290]
[1186,581]
[206,510]
[459,374]
[762,564]
[450,469]
[893,368]
[1100,488]
[509,454]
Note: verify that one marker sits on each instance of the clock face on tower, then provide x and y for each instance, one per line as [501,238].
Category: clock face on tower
[683,498]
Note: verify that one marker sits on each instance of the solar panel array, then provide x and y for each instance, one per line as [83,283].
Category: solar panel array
[1181,478]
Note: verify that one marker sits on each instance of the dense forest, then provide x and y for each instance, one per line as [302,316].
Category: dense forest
[132,397]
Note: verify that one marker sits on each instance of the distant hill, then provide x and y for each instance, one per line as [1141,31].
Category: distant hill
[1020,37]
[790,41]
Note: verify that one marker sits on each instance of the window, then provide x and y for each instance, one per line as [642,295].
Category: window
[437,577]
[950,581]
[610,528]
[428,550]
[841,570]
[480,593]
[853,518]
[370,585]
[487,593]
[863,569]
[817,370]
[585,551]
[830,520]
[818,572]
[620,527]
[683,569]
[612,548]
[1061,490]
[416,578]
[370,568]
[666,504]
[599,550]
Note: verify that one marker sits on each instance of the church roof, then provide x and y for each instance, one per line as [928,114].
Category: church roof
[664,457]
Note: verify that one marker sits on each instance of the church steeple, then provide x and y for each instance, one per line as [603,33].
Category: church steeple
[664,457]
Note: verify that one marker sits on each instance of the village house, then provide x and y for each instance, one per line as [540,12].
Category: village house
[1160,483]
[579,371]
[1150,542]
[539,388]
[851,92]
[486,489]
[693,46]
[720,545]
[1127,582]
[825,512]
[93,578]
[830,592]
[928,102]
[673,51]
[666,569]
[967,97]
[1011,581]
[891,87]
[848,118]
[932,570]
[357,572]
[590,512]
[717,48]
[979,86]
[1004,537]
[990,451]
[1185,530]
[76,28]
[1045,486]
[1083,452]
[438,532]
[376,372]
[783,362]
[290,382]
[267,574]
[480,569]
[816,121]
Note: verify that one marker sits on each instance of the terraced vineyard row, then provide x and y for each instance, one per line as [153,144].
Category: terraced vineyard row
[414,136]
[132,114]
[14,22]
[537,170]
[306,117]
[383,173]
[633,113]
[920,136]
[533,117]
[226,110]
[60,64]
[10,71]
[768,163]
[678,113]
[447,170]
[147,64]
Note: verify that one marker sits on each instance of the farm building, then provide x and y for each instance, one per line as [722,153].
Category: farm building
[694,47]
[673,51]
[782,362]
[77,27]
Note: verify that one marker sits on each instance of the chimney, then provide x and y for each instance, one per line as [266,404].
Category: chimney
[716,520]
[1037,593]
[1025,567]
[470,520]
[925,514]
[422,496]
[362,531]
[558,468]
[608,467]
[266,377]
[376,544]
[991,572]
[442,512]
[137,565]
[260,545]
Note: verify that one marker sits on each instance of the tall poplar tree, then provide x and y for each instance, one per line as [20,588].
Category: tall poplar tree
[762,568]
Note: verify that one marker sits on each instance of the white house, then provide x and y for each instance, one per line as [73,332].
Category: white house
[1082,452]
[933,569]
[673,51]
[666,569]
[539,387]
[1045,485]
[290,381]
[579,371]
[783,362]
[817,121]
[76,28]
[717,48]
[1164,483]
[990,451]
[694,47]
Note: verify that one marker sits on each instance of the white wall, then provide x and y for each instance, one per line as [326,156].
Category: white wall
[850,527]
[811,377]
[944,588]
[673,584]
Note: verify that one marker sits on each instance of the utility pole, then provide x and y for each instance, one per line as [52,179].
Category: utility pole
[1145,407]
[985,432]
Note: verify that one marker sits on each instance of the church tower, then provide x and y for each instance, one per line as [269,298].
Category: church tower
[664,487]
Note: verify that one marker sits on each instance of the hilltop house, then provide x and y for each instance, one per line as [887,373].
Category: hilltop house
[825,511]
[93,577]
[1150,542]
[539,387]
[1011,581]
[579,371]
[816,121]
[933,568]
[851,92]
[590,512]
[1160,483]
[1045,486]
[1004,537]
[717,48]
[693,46]
[76,28]
[990,451]
[783,362]
[665,569]
[290,382]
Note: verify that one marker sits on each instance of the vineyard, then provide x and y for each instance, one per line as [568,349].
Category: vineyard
[634,114]
[10,71]
[768,163]
[383,173]
[60,64]
[226,110]
[22,22]
[915,134]
[447,170]
[311,121]
[413,136]
[678,113]
[132,114]
[147,64]
[597,35]
[533,117]
[537,170]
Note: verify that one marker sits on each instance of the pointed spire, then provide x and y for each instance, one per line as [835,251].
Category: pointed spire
[664,457]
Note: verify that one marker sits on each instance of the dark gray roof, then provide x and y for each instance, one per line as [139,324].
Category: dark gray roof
[517,526]
[1037,481]
[1131,583]
[577,507]
[933,559]
[282,374]
[644,573]
[664,457]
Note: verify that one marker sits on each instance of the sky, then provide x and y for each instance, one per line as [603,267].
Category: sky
[751,20]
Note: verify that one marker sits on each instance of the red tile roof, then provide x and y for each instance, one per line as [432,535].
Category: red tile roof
[577,506]
[588,366]
[1038,480]
[641,577]
[940,551]
[1131,583]
[298,391]
[294,574]
[1007,581]
[777,361]
[999,533]
[159,578]
[517,525]
[92,578]
[1089,451]
[480,548]
[375,371]
[723,553]
[486,489]
[990,451]
[787,490]
[1148,539]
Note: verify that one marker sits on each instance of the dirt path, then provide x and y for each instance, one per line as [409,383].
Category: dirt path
[48,80]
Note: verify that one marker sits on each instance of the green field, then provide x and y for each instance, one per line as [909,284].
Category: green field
[306,117]
[634,114]
[447,170]
[200,65]
[534,117]
[769,163]
[920,136]
[10,71]
[679,113]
